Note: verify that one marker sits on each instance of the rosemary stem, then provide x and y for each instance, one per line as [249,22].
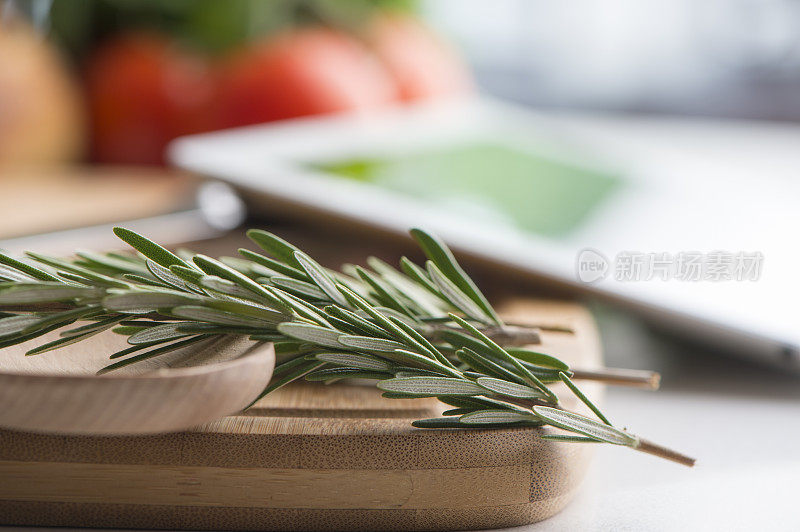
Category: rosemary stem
[649,447]
[507,335]
[620,377]
[513,335]
[524,403]
[549,327]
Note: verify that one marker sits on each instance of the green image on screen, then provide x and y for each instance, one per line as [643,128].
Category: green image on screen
[537,194]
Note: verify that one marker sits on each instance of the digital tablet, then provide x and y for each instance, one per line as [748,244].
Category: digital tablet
[692,223]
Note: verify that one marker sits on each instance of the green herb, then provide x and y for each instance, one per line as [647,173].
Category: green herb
[420,332]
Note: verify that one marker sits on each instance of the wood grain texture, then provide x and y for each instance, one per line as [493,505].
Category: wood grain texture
[37,200]
[58,391]
[308,457]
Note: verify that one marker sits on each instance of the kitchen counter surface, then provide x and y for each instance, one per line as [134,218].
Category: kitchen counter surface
[741,421]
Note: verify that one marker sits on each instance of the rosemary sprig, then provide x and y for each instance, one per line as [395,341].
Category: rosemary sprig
[419,331]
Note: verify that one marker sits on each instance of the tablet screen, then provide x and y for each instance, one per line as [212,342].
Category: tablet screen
[491,181]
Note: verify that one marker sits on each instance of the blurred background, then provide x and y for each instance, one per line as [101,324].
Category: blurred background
[112,81]
[92,92]
[729,58]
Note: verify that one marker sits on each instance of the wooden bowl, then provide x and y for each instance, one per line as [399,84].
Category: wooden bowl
[58,391]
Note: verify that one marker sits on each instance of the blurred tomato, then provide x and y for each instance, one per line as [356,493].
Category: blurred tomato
[303,72]
[143,92]
[421,64]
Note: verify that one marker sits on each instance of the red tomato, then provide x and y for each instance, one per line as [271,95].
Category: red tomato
[421,64]
[143,92]
[303,72]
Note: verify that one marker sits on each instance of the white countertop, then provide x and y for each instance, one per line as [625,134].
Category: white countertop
[742,423]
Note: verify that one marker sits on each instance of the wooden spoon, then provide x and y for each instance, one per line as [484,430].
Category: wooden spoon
[58,391]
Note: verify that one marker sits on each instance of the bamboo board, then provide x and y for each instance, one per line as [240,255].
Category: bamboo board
[309,457]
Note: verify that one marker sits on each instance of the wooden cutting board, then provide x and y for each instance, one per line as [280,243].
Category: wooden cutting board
[309,457]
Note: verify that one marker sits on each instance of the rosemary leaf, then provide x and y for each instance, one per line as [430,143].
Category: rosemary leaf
[287,348]
[302,308]
[431,386]
[401,371]
[85,275]
[369,344]
[190,275]
[455,423]
[457,411]
[300,288]
[138,302]
[386,323]
[44,292]
[320,278]
[428,303]
[133,349]
[354,360]
[525,372]
[423,342]
[112,264]
[438,423]
[420,276]
[153,353]
[346,373]
[215,267]
[247,309]
[148,248]
[142,280]
[64,341]
[228,288]
[443,258]
[565,438]
[61,318]
[166,275]
[274,245]
[510,389]
[159,332]
[26,336]
[455,296]
[487,366]
[274,265]
[17,324]
[537,359]
[409,358]
[384,293]
[312,333]
[481,403]
[366,327]
[127,330]
[221,317]
[585,426]
[290,365]
[492,417]
[297,372]
[580,395]
[392,314]
[256,333]
[10,274]
[98,326]
[26,268]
